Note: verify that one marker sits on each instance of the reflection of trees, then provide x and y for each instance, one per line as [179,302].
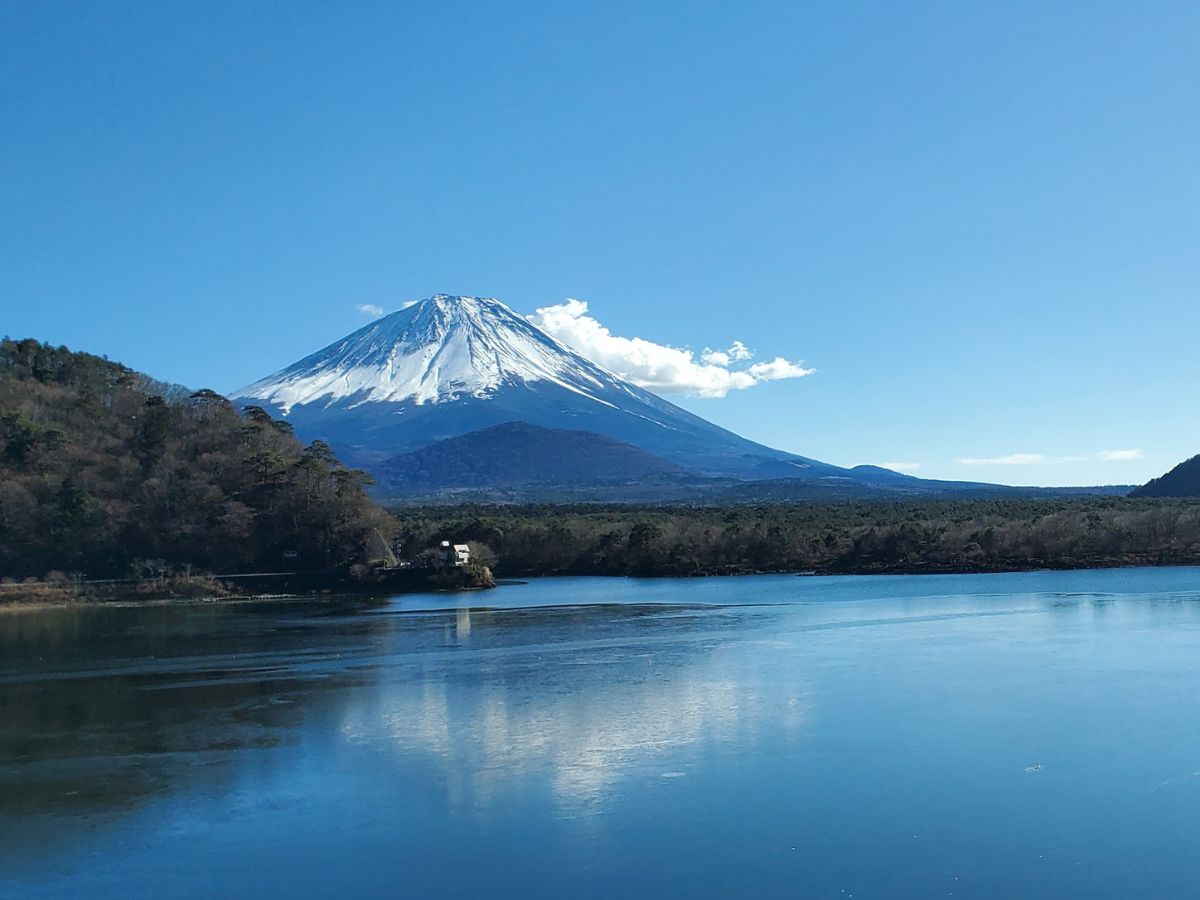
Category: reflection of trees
[120,724]
[104,706]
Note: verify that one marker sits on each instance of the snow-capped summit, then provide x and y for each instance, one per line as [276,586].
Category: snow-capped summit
[450,365]
[437,350]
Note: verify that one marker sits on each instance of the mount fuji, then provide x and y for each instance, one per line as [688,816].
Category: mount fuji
[461,396]
[448,366]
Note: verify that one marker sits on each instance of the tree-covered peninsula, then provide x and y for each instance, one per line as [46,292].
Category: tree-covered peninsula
[105,473]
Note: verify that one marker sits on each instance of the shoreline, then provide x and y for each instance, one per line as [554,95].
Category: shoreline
[133,602]
[367,596]
[203,589]
[918,568]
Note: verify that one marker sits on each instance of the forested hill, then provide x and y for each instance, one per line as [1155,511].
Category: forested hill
[1181,481]
[517,453]
[104,471]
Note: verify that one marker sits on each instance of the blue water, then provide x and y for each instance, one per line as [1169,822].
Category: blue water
[1030,735]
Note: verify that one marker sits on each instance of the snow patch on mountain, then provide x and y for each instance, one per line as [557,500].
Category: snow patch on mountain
[439,350]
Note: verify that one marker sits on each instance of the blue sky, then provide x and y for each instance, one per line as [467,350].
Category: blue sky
[980,223]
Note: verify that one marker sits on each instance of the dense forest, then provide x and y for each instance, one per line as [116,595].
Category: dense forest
[937,536]
[106,473]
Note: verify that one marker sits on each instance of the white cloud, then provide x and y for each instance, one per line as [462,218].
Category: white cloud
[902,466]
[659,367]
[1019,459]
[407,303]
[371,310]
[1041,459]
[737,352]
[778,369]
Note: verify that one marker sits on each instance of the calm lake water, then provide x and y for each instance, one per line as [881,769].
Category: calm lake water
[1033,735]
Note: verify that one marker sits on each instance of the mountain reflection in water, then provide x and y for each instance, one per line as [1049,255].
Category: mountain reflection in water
[584,720]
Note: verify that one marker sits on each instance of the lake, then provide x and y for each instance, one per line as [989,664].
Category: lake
[1025,735]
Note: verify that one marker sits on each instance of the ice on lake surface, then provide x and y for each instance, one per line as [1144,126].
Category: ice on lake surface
[1030,735]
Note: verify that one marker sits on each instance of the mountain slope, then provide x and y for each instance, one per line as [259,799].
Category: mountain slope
[1181,481]
[869,484]
[516,454]
[452,365]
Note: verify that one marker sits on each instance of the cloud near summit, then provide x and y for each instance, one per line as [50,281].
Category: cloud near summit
[658,367]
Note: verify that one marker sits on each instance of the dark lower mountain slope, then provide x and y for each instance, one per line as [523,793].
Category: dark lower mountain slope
[821,490]
[1181,481]
[368,434]
[518,454]
[873,483]
[521,463]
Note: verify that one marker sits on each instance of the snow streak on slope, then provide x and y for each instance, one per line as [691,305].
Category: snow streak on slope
[436,351]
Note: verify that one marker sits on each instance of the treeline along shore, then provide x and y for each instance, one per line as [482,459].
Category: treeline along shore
[686,541]
[843,538]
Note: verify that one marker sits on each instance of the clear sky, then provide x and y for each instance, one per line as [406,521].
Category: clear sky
[980,223]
